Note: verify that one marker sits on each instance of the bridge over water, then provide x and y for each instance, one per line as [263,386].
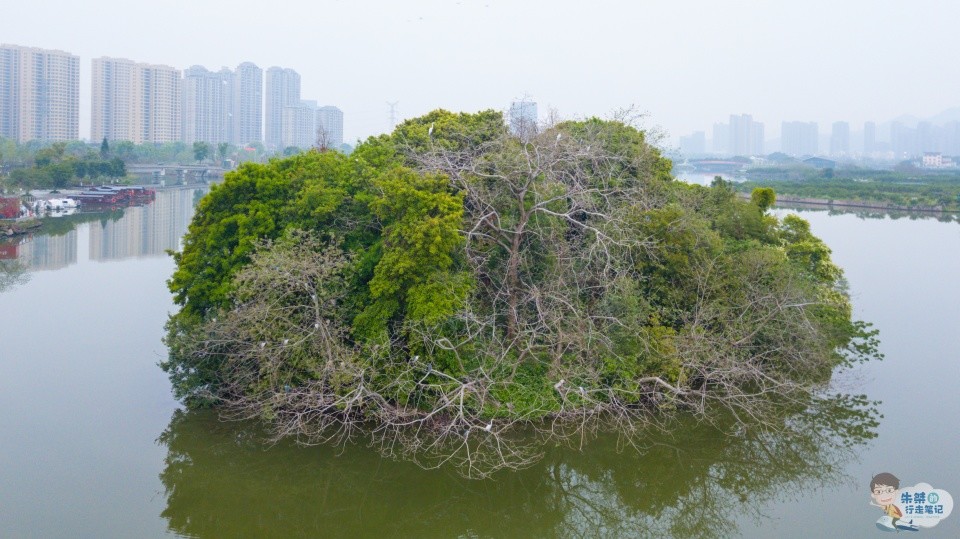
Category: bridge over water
[171,172]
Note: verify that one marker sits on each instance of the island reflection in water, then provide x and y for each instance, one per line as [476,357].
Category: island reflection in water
[221,480]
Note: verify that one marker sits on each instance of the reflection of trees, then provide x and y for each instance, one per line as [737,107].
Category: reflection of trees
[12,273]
[871,213]
[60,226]
[699,480]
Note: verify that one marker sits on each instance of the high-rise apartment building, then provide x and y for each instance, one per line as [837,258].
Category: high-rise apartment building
[799,138]
[282,90]
[111,107]
[39,94]
[299,124]
[135,102]
[330,127]
[840,139]
[746,136]
[207,110]
[903,140]
[694,144]
[869,138]
[721,136]
[247,104]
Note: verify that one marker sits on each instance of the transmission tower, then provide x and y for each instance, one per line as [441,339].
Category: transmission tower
[393,113]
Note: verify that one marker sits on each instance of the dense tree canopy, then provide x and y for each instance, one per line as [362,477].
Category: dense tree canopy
[448,283]
[58,166]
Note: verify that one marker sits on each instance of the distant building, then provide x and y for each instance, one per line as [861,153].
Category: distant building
[330,126]
[933,160]
[694,144]
[799,138]
[134,101]
[869,138]
[523,118]
[247,104]
[39,94]
[282,91]
[721,137]
[299,123]
[111,112]
[207,108]
[903,140]
[927,137]
[745,136]
[951,138]
[840,139]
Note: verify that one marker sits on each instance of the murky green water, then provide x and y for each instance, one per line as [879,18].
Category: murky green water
[93,445]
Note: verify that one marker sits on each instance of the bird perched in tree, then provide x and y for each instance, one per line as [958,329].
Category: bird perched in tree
[430,131]
[558,385]
[488,426]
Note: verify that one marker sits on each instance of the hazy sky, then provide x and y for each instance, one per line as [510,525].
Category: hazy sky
[688,63]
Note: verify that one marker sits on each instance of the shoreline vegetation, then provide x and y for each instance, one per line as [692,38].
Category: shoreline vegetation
[463,296]
[867,189]
[873,205]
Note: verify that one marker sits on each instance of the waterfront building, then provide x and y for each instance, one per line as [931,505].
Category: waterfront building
[903,140]
[694,144]
[39,94]
[207,109]
[299,125]
[282,91]
[840,139]
[135,101]
[247,104]
[721,136]
[745,136]
[330,126]
[799,138]
[869,138]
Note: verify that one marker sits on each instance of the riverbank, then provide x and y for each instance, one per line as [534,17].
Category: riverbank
[890,192]
[875,205]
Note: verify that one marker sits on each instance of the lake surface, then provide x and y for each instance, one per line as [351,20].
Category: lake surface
[93,445]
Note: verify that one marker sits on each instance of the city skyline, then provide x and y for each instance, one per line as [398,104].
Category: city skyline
[902,138]
[141,102]
[689,65]
[144,102]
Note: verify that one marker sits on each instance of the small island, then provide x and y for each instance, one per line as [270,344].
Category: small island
[462,295]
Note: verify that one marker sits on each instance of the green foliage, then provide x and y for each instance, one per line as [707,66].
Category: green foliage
[200,150]
[876,187]
[763,198]
[56,166]
[255,202]
[564,271]
[447,130]
[420,220]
